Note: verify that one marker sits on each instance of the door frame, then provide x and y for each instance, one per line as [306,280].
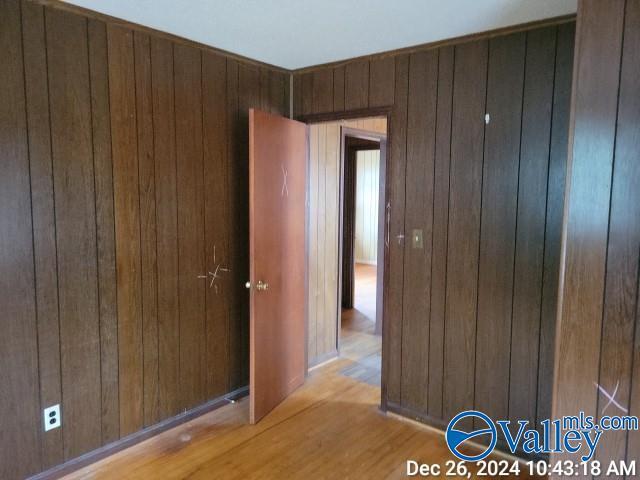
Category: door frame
[353,115]
[381,140]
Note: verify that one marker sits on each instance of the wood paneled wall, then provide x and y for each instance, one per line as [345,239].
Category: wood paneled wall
[367,196]
[599,334]
[324,226]
[124,160]
[470,318]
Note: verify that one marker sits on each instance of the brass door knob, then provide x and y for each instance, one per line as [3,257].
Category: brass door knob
[262,285]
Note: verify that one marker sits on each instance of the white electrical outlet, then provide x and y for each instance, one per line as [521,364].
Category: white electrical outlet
[52,417]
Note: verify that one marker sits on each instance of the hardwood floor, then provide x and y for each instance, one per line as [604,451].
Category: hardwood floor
[358,342]
[331,428]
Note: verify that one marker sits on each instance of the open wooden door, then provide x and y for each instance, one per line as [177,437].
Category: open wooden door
[277,189]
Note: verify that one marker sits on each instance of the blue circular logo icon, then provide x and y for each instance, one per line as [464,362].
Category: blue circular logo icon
[457,437]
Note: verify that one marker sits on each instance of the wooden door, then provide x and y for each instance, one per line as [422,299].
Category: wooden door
[277,189]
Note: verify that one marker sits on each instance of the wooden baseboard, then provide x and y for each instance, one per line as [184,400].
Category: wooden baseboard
[439,426]
[140,436]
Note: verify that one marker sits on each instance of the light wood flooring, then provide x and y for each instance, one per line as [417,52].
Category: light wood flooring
[331,428]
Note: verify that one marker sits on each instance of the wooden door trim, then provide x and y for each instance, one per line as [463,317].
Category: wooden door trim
[384,112]
[362,135]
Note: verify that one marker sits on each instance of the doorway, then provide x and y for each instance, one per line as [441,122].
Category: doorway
[346,240]
[362,250]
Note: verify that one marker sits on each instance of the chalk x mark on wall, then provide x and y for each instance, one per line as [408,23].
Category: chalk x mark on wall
[216,274]
[611,397]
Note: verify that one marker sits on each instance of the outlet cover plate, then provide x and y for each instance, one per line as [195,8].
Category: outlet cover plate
[52,417]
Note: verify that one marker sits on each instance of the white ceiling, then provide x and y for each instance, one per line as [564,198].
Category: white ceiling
[299,33]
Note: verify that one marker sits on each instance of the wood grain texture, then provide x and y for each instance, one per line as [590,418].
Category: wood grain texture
[20,454]
[148,237]
[465,193]
[312,233]
[237,214]
[164,141]
[529,85]
[324,228]
[528,271]
[73,174]
[332,182]
[277,256]
[338,89]
[591,147]
[394,265]
[105,229]
[505,79]
[248,85]
[43,210]
[442,158]
[214,104]
[306,86]
[124,144]
[617,363]
[89,124]
[321,226]
[381,80]
[190,186]
[356,85]
[322,91]
[421,128]
[555,203]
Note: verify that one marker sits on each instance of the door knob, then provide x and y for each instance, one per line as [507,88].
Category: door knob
[259,286]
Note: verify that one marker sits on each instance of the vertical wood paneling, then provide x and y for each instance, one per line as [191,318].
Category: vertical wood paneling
[105,229]
[338,89]
[591,147]
[323,90]
[148,240]
[356,85]
[381,80]
[440,228]
[513,300]
[555,204]
[421,128]
[127,220]
[627,173]
[19,403]
[321,225]
[307,94]
[164,147]
[465,195]
[530,231]
[214,97]
[396,176]
[297,96]
[90,236]
[191,264]
[332,187]
[498,223]
[279,93]
[314,217]
[367,175]
[623,248]
[237,214]
[70,100]
[44,233]
[248,85]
